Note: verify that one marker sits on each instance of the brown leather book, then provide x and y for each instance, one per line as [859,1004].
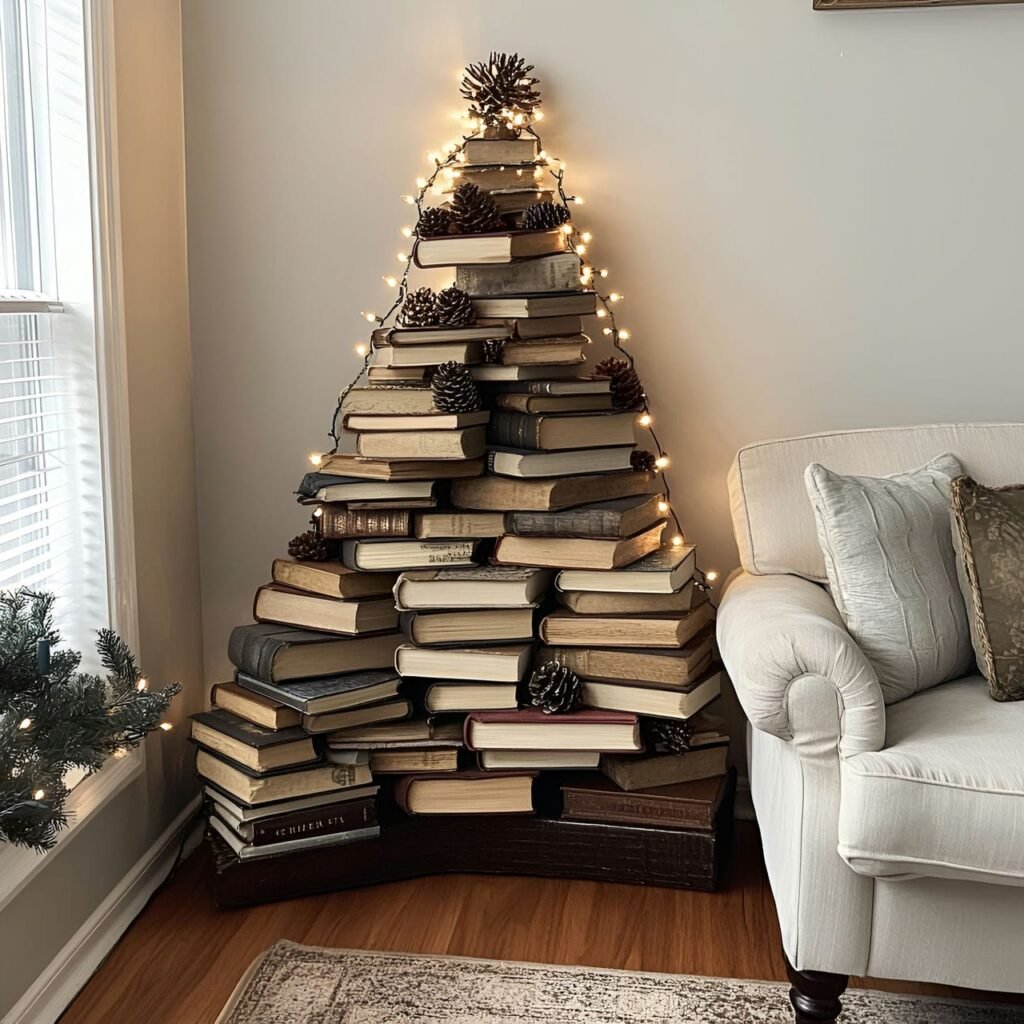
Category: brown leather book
[337,523]
[331,579]
[343,816]
[683,805]
[640,773]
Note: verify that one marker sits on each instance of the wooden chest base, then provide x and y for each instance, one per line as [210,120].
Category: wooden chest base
[464,844]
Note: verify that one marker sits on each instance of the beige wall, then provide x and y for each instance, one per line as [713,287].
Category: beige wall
[816,218]
[47,912]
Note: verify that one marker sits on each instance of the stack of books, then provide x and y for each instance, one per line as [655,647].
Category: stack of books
[473,547]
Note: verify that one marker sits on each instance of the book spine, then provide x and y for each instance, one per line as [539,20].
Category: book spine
[316,821]
[336,524]
[552,273]
[405,624]
[574,523]
[514,430]
[630,809]
[253,653]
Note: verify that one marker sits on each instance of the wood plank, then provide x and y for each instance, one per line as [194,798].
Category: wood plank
[181,959]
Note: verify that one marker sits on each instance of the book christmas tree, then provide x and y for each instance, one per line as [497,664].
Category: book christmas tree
[495,610]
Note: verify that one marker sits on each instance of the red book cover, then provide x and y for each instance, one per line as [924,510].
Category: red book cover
[532,716]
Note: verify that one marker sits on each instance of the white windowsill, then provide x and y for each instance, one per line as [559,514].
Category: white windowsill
[29,302]
[18,865]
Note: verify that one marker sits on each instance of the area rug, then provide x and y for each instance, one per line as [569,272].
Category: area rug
[293,984]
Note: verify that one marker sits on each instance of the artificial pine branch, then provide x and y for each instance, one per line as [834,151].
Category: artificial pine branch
[74,719]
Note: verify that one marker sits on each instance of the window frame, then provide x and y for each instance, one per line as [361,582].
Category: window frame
[17,865]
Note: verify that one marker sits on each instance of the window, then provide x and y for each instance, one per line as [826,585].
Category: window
[52,515]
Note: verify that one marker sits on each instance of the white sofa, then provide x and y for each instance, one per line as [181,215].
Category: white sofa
[893,836]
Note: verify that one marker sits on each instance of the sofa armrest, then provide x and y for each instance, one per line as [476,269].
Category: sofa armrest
[776,630]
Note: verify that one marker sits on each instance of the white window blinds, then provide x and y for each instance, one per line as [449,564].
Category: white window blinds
[52,534]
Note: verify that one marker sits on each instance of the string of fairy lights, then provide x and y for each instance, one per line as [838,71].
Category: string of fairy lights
[446,164]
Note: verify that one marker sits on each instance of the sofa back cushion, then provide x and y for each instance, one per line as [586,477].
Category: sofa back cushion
[892,571]
[772,518]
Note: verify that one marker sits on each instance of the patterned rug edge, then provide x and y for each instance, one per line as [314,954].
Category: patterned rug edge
[253,967]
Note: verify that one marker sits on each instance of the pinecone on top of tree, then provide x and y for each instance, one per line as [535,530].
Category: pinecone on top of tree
[453,307]
[419,309]
[545,215]
[434,221]
[309,547]
[554,688]
[642,461]
[675,736]
[454,388]
[473,211]
[627,391]
[501,85]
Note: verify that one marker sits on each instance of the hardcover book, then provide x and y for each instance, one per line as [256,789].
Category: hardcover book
[491,374]
[546,352]
[333,693]
[403,421]
[577,552]
[507,664]
[632,773]
[528,464]
[387,470]
[674,667]
[236,811]
[332,487]
[674,702]
[452,523]
[442,698]
[683,805]
[550,494]
[500,151]
[596,602]
[483,586]
[505,175]
[560,272]
[385,336]
[395,398]
[537,760]
[540,304]
[377,555]
[600,731]
[331,579]
[245,851]
[414,760]
[661,572]
[489,247]
[337,523]
[667,629]
[463,626]
[538,404]
[558,387]
[252,789]
[412,731]
[618,518]
[274,603]
[422,444]
[348,718]
[402,356]
[252,745]
[253,707]
[541,327]
[466,793]
[277,653]
[325,819]
[573,430]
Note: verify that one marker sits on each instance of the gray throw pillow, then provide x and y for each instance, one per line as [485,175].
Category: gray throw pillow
[988,533]
[892,571]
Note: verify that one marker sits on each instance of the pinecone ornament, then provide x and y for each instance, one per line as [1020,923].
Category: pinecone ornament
[500,86]
[545,215]
[454,308]
[419,309]
[309,547]
[627,391]
[434,221]
[492,350]
[473,211]
[554,688]
[642,461]
[675,736]
[454,388]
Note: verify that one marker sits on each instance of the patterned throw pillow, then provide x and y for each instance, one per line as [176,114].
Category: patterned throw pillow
[988,533]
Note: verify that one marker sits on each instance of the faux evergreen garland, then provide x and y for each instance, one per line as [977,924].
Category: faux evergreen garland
[54,718]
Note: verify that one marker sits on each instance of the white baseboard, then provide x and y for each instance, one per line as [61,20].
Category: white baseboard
[51,993]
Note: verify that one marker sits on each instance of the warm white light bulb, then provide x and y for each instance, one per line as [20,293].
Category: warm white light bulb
[409,199]
[361,349]
[39,794]
[677,541]
[421,182]
[315,458]
[661,462]
[604,272]
[538,115]
[121,752]
[25,723]
[711,576]
[407,231]
[142,685]
[402,257]
[602,313]
[645,420]
[166,726]
[663,507]
[615,297]
[586,236]
[318,512]
[608,330]
[391,281]
[369,317]
[624,335]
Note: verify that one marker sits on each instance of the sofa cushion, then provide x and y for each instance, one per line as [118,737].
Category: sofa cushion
[892,572]
[945,797]
[772,521]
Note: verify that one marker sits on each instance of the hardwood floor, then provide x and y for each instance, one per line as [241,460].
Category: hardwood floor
[180,960]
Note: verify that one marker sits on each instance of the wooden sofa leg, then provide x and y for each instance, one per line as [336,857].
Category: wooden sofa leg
[815,995]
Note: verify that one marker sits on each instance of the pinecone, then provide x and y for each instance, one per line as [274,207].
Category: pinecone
[545,215]
[309,547]
[454,307]
[492,350]
[419,309]
[434,221]
[503,84]
[642,461]
[473,211]
[554,688]
[676,736]
[454,389]
[627,391]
